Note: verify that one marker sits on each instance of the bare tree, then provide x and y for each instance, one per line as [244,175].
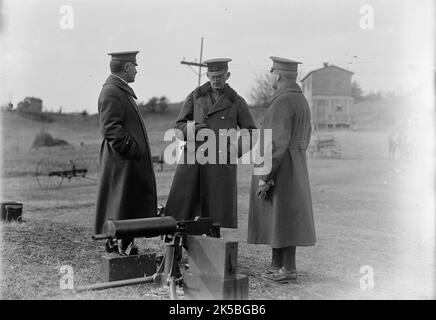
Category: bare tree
[356,92]
[261,93]
[151,104]
[163,104]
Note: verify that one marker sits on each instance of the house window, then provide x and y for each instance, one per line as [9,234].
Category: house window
[338,108]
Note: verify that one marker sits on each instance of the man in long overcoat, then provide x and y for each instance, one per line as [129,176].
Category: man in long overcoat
[209,189]
[280,211]
[127,184]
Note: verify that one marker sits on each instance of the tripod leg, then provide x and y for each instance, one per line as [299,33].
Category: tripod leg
[169,261]
[172,288]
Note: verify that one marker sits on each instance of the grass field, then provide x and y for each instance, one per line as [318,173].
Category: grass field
[369,211]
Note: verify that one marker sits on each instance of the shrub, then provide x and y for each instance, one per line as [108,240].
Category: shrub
[44,139]
[154,105]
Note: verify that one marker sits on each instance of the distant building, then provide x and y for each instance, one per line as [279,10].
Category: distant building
[30,104]
[328,91]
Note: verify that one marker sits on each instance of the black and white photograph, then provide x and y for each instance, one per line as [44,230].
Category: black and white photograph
[226,151]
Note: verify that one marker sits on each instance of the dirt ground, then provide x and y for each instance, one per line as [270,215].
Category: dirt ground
[371,213]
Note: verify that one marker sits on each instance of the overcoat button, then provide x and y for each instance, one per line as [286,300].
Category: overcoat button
[222,118]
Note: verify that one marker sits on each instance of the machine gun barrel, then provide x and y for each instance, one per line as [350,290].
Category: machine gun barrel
[100,236]
[138,228]
[157,226]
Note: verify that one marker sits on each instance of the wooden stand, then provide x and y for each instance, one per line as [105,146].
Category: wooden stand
[212,273]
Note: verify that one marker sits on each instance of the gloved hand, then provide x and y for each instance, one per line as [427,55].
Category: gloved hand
[263,188]
[200,135]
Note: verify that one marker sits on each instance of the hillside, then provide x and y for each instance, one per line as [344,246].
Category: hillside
[82,133]
[18,132]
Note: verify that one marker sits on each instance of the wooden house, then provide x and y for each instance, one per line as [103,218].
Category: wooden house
[328,91]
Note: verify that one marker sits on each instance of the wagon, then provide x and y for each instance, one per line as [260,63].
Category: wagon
[324,146]
[158,160]
[51,173]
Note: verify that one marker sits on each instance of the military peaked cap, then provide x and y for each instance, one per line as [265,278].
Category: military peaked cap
[216,67]
[284,64]
[126,56]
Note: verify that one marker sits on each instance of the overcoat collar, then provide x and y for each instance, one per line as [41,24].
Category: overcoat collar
[224,101]
[120,84]
[292,88]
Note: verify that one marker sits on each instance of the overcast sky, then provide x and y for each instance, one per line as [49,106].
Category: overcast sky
[67,67]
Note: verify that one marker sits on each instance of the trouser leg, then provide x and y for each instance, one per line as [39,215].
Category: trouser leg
[289,263]
[277,257]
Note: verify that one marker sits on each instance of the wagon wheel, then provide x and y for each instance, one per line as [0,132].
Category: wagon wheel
[91,170]
[157,162]
[337,151]
[86,169]
[49,174]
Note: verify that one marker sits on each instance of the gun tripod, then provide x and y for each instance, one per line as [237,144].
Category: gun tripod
[168,272]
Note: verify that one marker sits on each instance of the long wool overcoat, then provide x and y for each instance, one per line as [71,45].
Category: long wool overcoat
[209,190]
[127,184]
[285,218]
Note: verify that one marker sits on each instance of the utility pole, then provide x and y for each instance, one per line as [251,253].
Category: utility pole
[196,64]
[199,65]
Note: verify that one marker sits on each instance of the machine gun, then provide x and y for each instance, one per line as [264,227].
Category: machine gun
[175,235]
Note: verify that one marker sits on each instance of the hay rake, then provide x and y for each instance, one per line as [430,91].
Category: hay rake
[51,173]
[324,146]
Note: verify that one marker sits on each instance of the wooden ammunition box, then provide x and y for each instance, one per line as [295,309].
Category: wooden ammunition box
[117,267]
[212,257]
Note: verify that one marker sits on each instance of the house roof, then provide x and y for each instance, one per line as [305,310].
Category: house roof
[33,98]
[329,66]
